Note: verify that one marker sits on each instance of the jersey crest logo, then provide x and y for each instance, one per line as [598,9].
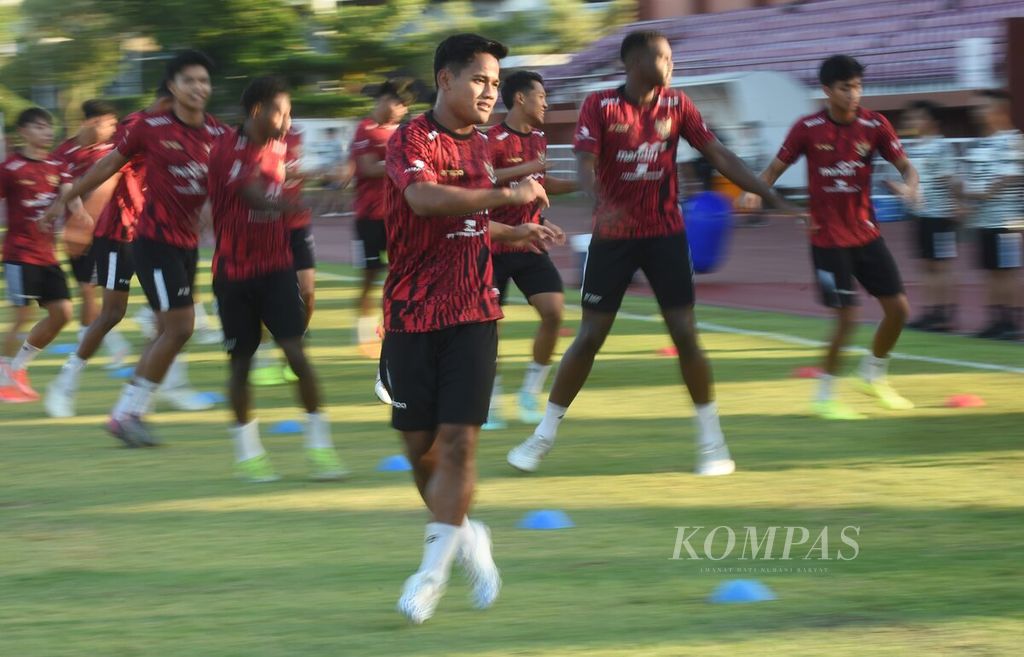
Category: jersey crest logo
[52,179]
[663,127]
[584,134]
[863,148]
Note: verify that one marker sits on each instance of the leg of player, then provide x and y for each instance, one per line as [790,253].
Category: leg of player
[307,290]
[366,328]
[825,404]
[875,366]
[60,395]
[572,373]
[251,461]
[89,308]
[58,314]
[267,370]
[550,306]
[323,458]
[713,456]
[444,469]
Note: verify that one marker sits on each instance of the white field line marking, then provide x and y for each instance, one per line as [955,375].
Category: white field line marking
[768,335]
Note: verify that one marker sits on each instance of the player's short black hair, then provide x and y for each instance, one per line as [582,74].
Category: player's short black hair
[458,50]
[93,108]
[163,91]
[638,39]
[839,68]
[927,107]
[400,88]
[187,58]
[263,90]
[34,115]
[518,81]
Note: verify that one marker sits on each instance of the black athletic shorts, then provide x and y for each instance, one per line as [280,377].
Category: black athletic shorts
[166,273]
[115,264]
[440,377]
[533,273]
[871,264]
[611,264]
[1000,248]
[84,267]
[303,248]
[245,306]
[936,238]
[370,248]
[40,283]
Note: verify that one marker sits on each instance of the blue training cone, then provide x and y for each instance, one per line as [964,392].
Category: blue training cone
[546,519]
[214,398]
[62,349]
[741,590]
[396,463]
[287,426]
[122,373]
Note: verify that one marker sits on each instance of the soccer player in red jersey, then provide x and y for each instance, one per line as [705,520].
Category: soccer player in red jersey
[626,141]
[254,274]
[840,143]
[175,149]
[440,307]
[30,180]
[89,145]
[112,252]
[368,151]
[519,148]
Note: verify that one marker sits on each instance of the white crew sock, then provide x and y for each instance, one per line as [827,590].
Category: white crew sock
[177,374]
[70,371]
[366,329]
[264,355]
[826,382]
[709,429]
[536,375]
[440,542]
[125,401]
[246,438]
[318,431]
[202,320]
[144,389]
[553,415]
[873,368]
[494,408]
[24,357]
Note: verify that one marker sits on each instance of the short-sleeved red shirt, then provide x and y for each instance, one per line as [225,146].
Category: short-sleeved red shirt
[30,187]
[175,156]
[510,148]
[839,165]
[638,193]
[370,138]
[440,267]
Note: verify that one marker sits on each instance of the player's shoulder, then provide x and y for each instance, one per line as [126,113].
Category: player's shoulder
[604,98]
[13,162]
[812,120]
[674,98]
[214,126]
[871,119]
[497,133]
[157,119]
[66,147]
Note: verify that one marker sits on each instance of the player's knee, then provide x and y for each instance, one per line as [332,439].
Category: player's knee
[60,313]
[550,316]
[590,340]
[178,332]
[458,445]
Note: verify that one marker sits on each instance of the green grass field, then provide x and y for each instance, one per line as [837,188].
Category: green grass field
[122,553]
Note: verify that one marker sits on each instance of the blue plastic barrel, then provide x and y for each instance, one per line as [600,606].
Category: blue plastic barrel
[888,208]
[708,218]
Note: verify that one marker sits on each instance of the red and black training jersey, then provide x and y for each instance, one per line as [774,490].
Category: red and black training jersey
[370,138]
[510,148]
[635,147]
[78,159]
[175,156]
[293,184]
[839,164]
[30,187]
[119,216]
[440,267]
[250,243]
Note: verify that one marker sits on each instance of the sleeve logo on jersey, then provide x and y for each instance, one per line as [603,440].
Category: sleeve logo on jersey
[663,127]
[52,179]
[417,165]
[584,134]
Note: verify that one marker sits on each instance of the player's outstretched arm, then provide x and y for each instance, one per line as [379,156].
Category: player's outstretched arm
[585,176]
[92,179]
[533,236]
[908,190]
[770,175]
[733,168]
[519,171]
[556,186]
